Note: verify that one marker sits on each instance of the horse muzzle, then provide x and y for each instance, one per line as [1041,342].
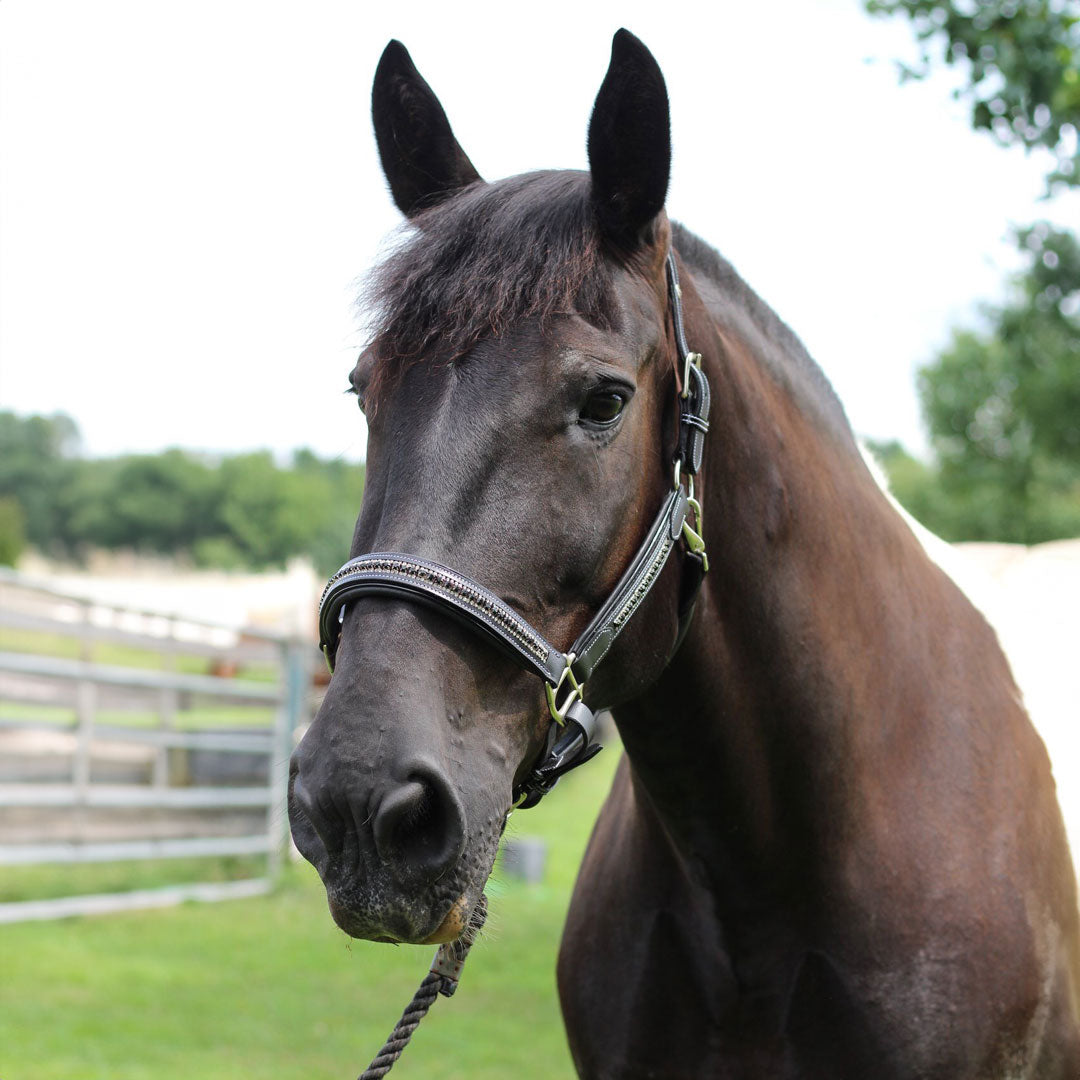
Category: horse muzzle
[396,858]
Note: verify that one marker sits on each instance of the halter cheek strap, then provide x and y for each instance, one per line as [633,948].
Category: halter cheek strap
[570,738]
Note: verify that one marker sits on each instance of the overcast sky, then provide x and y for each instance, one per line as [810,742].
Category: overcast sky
[190,192]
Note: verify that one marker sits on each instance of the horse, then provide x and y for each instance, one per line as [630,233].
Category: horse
[832,847]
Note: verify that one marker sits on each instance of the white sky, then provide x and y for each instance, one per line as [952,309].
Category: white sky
[190,192]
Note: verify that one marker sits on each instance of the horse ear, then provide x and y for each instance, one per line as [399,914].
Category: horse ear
[630,142]
[420,156]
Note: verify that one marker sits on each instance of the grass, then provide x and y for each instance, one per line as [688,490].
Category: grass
[197,718]
[268,988]
[69,647]
[79,879]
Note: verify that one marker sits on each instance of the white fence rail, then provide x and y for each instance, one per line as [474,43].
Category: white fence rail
[106,757]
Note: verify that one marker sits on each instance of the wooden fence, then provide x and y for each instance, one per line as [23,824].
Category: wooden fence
[128,734]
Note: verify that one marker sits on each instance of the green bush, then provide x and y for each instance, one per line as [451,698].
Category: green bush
[12,530]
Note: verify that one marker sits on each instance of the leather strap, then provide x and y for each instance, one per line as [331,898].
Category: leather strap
[594,641]
[391,573]
[694,397]
[693,420]
[675,296]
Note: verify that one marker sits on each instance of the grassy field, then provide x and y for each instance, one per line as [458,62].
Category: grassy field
[51,880]
[70,646]
[197,718]
[202,712]
[269,989]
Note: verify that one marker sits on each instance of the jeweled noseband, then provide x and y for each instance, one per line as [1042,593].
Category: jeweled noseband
[570,738]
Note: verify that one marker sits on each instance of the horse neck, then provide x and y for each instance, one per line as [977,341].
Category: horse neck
[801,640]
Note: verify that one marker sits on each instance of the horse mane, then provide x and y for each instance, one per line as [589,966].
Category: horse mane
[788,357]
[529,246]
[485,259]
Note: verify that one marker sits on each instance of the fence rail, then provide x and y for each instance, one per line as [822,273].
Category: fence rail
[135,900]
[36,854]
[84,671]
[134,796]
[196,781]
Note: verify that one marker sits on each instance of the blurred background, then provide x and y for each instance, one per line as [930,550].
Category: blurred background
[189,199]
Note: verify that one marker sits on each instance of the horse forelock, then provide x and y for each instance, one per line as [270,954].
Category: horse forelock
[486,259]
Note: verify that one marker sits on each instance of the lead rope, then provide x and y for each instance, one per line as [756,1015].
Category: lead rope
[441,979]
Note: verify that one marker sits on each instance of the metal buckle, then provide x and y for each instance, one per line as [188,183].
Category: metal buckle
[691,358]
[695,539]
[558,712]
[330,647]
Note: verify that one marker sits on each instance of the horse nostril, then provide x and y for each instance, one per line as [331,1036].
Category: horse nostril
[329,829]
[419,827]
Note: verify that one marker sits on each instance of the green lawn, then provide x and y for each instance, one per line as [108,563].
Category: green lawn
[269,989]
[48,881]
[119,654]
[197,718]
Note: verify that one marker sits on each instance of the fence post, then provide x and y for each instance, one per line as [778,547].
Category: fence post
[289,715]
[167,703]
[85,706]
[85,703]
[127,688]
[86,639]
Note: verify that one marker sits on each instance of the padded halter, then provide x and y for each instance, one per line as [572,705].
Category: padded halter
[570,737]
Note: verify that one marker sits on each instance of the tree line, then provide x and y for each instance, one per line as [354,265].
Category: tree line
[1002,402]
[1002,407]
[239,511]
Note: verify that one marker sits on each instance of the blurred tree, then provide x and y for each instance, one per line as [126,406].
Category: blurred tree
[266,516]
[36,462]
[916,486]
[328,546]
[242,511]
[1003,404]
[1021,60]
[12,530]
[272,513]
[151,502]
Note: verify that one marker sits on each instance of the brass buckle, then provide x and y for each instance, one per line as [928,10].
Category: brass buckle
[694,537]
[558,712]
[691,358]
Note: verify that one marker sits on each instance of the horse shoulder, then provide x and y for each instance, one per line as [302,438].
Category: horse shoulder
[642,972]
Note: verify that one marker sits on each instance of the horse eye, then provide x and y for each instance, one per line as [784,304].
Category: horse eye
[359,397]
[603,407]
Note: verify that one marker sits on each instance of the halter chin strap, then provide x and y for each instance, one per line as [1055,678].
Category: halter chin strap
[570,737]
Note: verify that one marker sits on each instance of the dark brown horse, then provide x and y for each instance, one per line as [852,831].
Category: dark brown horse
[832,849]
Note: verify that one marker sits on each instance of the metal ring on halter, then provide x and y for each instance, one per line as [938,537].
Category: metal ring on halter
[577,690]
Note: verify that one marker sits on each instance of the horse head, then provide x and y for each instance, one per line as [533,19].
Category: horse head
[519,391]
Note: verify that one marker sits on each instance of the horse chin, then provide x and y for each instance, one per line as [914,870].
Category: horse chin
[453,925]
[405,924]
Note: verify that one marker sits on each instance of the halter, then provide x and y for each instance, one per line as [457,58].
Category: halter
[573,723]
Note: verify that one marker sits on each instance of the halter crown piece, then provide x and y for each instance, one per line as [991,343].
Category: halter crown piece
[573,724]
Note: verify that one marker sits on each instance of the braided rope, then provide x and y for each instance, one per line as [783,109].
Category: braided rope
[441,979]
[415,1011]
